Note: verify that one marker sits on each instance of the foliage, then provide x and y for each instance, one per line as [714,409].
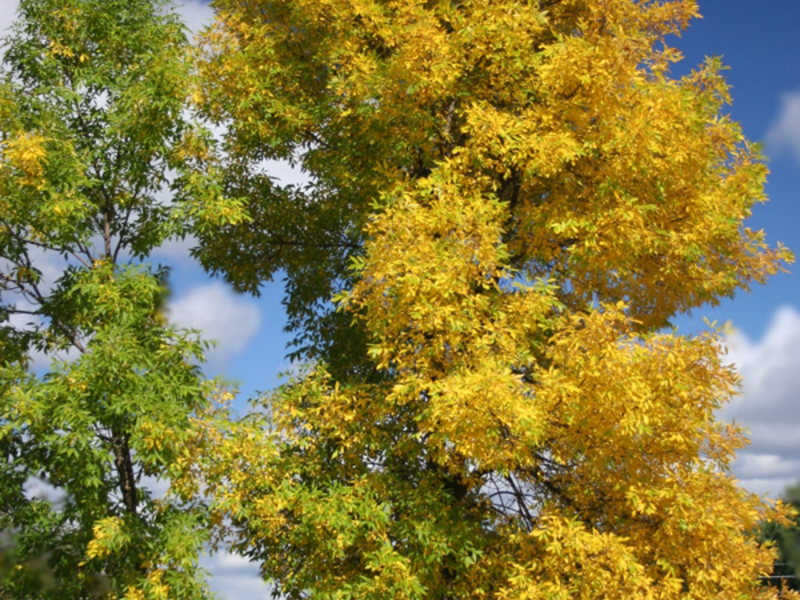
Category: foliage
[94,122]
[786,538]
[510,200]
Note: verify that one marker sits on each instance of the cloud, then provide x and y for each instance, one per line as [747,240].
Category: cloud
[196,13]
[770,370]
[8,11]
[38,488]
[175,251]
[234,577]
[51,265]
[284,172]
[236,587]
[784,134]
[223,316]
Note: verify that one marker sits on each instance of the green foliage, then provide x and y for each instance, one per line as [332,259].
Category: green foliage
[786,538]
[508,201]
[96,134]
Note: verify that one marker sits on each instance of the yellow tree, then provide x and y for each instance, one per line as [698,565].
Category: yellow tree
[510,200]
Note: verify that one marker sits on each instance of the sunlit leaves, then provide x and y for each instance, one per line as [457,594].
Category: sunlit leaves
[510,200]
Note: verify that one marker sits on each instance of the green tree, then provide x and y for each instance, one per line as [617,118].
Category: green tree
[786,538]
[510,199]
[96,133]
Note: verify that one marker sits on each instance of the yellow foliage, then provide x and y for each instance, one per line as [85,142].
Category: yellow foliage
[537,199]
[26,154]
[106,534]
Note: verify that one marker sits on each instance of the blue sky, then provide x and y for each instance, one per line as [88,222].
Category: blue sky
[759,42]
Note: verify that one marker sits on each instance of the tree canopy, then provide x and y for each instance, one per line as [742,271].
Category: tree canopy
[509,201]
[96,172]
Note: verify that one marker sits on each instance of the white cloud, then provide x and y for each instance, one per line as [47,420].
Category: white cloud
[175,251]
[236,587]
[41,362]
[196,13]
[51,266]
[223,316]
[784,134]
[284,172]
[234,577]
[8,10]
[768,405]
[36,487]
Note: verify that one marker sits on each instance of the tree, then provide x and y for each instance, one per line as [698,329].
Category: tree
[510,200]
[786,538]
[96,133]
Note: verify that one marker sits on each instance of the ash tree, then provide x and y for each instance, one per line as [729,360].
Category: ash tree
[508,203]
[100,396]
